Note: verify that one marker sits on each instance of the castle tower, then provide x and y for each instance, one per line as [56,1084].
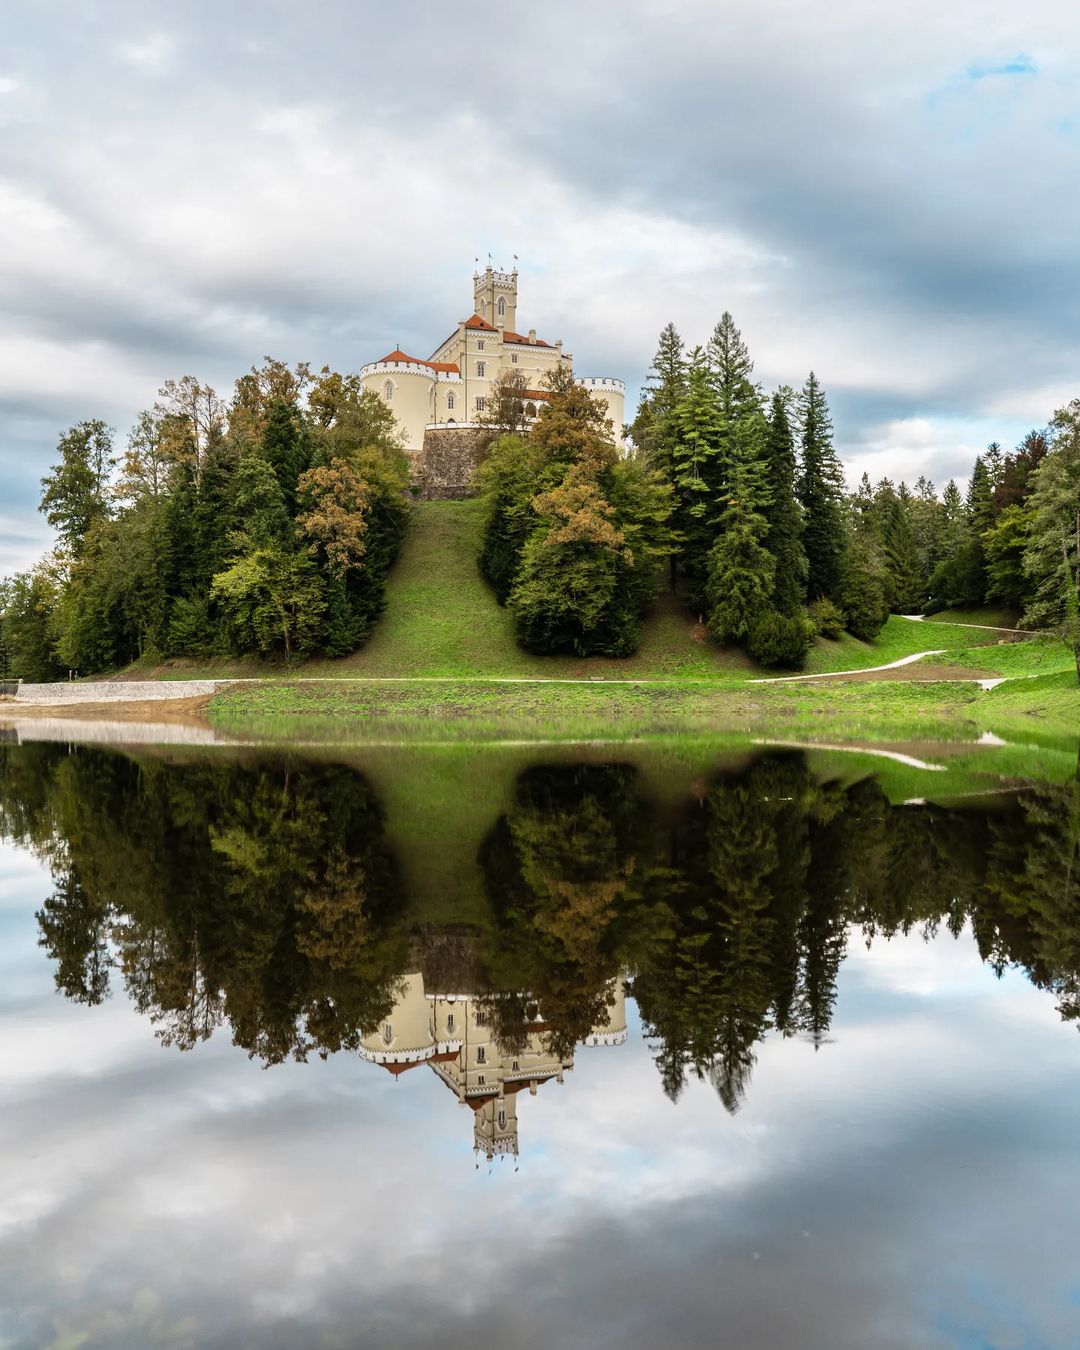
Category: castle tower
[406,1037]
[495,1128]
[612,1029]
[495,298]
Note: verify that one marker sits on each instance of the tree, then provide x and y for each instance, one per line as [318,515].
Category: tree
[1004,546]
[285,448]
[1053,502]
[193,417]
[741,570]
[76,492]
[730,369]
[337,501]
[505,412]
[783,537]
[654,428]
[820,491]
[697,436]
[274,594]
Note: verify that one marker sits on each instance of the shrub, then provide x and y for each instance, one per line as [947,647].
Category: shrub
[781,639]
[827,618]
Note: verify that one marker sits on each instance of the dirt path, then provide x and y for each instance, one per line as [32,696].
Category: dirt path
[854,674]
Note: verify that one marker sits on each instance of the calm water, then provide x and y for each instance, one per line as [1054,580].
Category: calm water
[741,1051]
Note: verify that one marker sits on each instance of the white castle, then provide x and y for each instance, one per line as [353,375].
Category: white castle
[452,388]
[452,1034]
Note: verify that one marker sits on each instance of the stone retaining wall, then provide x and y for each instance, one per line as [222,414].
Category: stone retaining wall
[448,460]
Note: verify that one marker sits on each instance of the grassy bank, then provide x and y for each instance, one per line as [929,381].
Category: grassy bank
[486,711]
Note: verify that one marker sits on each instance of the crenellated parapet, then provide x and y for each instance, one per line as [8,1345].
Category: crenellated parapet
[602,382]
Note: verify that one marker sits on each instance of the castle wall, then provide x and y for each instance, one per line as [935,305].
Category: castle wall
[612,394]
[448,459]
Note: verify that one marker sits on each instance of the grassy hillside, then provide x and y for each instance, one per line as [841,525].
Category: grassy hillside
[442,619]
[442,622]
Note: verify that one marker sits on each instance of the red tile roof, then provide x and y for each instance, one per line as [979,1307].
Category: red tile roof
[477,322]
[518,337]
[447,367]
[395,1069]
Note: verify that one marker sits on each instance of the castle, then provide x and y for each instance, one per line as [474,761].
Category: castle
[440,403]
[452,1033]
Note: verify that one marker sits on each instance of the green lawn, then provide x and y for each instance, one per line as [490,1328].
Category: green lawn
[995,616]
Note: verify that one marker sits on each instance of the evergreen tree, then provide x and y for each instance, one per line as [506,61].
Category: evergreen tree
[653,429]
[698,441]
[741,575]
[285,448]
[820,491]
[783,538]
[1054,502]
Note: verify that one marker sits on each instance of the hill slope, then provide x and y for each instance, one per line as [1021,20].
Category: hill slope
[442,619]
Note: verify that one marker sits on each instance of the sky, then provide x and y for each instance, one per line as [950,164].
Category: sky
[885,194]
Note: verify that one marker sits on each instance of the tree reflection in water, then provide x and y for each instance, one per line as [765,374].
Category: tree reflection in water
[263,895]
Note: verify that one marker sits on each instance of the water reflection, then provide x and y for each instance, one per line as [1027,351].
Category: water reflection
[264,896]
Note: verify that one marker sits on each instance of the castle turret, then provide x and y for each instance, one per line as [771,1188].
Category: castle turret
[406,1037]
[495,297]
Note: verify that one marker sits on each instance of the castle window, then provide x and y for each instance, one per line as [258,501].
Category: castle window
[516,1066]
[450,1022]
[513,358]
[502,306]
[480,344]
[481,404]
[481,1055]
[450,402]
[502,1120]
[480,1080]
[481,1017]
[388,1033]
[480,369]
[388,391]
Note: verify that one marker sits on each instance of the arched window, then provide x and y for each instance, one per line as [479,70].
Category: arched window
[502,1120]
[388,391]
[387,1033]
[502,306]
[450,1023]
[481,1055]
[450,402]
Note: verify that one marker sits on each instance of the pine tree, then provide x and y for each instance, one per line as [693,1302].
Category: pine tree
[730,369]
[285,448]
[783,538]
[741,570]
[699,432]
[654,430]
[821,492]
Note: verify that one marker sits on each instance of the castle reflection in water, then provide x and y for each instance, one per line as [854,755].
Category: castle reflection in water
[483,1056]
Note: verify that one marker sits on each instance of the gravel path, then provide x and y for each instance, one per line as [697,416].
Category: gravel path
[847,674]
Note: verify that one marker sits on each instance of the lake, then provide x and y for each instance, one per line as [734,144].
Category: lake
[582,1047]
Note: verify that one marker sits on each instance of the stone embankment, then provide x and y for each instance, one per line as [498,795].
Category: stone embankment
[65,694]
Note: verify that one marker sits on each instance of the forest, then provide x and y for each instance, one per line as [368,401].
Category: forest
[268,526]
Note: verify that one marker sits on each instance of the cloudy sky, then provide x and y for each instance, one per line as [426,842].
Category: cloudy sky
[886,193]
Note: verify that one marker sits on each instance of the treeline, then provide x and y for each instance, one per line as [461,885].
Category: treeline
[773,548]
[266,525]
[264,897]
